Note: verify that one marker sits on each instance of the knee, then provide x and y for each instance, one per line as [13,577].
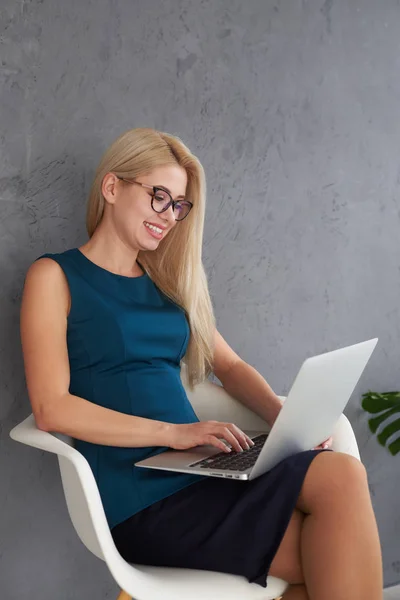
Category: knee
[348,468]
[344,475]
[333,477]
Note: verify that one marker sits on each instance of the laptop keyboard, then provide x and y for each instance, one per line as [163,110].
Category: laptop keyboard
[235,461]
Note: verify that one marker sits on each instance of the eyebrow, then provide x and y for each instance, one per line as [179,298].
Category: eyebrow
[167,190]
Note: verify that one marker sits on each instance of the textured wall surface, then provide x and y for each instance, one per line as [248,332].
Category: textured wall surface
[293,109]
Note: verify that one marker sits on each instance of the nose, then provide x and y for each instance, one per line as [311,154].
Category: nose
[169,214]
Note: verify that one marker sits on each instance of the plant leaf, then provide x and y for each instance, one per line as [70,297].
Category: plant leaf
[374,423]
[388,404]
[394,447]
[388,431]
[374,403]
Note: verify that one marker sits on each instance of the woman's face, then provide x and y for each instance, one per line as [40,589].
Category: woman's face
[129,205]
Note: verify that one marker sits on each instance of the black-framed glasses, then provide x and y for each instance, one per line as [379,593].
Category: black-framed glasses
[161,200]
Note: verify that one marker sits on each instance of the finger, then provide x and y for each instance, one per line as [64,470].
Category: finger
[249,440]
[225,433]
[244,441]
[326,444]
[214,441]
[240,435]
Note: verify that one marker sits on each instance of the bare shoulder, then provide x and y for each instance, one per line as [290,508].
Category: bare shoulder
[46,282]
[43,268]
[43,327]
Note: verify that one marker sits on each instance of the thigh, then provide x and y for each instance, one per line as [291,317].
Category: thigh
[286,563]
[327,476]
[332,478]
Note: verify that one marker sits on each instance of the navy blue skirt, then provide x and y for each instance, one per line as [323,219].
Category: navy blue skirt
[224,525]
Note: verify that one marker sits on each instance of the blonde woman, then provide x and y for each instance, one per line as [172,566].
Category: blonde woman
[106,329]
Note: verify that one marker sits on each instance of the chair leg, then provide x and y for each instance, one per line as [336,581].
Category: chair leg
[124,596]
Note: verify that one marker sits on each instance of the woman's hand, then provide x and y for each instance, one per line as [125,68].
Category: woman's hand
[189,435]
[327,444]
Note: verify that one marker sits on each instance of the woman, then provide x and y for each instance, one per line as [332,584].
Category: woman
[105,331]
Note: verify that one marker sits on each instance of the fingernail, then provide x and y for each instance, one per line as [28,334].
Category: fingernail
[325,446]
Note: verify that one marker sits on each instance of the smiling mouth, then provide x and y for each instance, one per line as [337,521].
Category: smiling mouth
[157,234]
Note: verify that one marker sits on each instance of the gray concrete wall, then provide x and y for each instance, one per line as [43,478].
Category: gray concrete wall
[293,109]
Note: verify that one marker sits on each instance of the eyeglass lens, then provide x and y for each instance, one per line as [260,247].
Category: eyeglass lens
[161,199]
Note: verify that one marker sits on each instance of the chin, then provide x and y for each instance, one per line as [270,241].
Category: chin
[149,245]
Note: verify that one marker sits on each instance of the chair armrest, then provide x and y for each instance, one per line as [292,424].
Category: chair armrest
[344,439]
[81,492]
[28,433]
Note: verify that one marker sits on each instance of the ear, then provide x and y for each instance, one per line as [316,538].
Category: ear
[109,187]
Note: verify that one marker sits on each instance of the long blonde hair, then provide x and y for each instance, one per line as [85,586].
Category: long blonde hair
[176,266]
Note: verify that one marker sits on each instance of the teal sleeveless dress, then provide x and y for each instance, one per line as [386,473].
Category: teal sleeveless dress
[125,343]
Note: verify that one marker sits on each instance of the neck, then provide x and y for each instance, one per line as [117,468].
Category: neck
[107,250]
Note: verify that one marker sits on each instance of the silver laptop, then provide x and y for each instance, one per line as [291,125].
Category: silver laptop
[315,402]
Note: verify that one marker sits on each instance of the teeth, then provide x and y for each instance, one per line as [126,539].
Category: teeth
[153,227]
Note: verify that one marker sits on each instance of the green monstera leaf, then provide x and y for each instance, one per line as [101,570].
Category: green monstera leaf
[387,404]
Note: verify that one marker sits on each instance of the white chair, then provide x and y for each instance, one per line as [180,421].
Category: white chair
[139,582]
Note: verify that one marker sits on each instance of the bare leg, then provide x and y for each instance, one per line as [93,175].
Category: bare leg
[296,592]
[340,549]
[332,542]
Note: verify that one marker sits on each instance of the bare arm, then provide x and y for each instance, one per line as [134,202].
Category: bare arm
[248,386]
[44,310]
[244,382]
